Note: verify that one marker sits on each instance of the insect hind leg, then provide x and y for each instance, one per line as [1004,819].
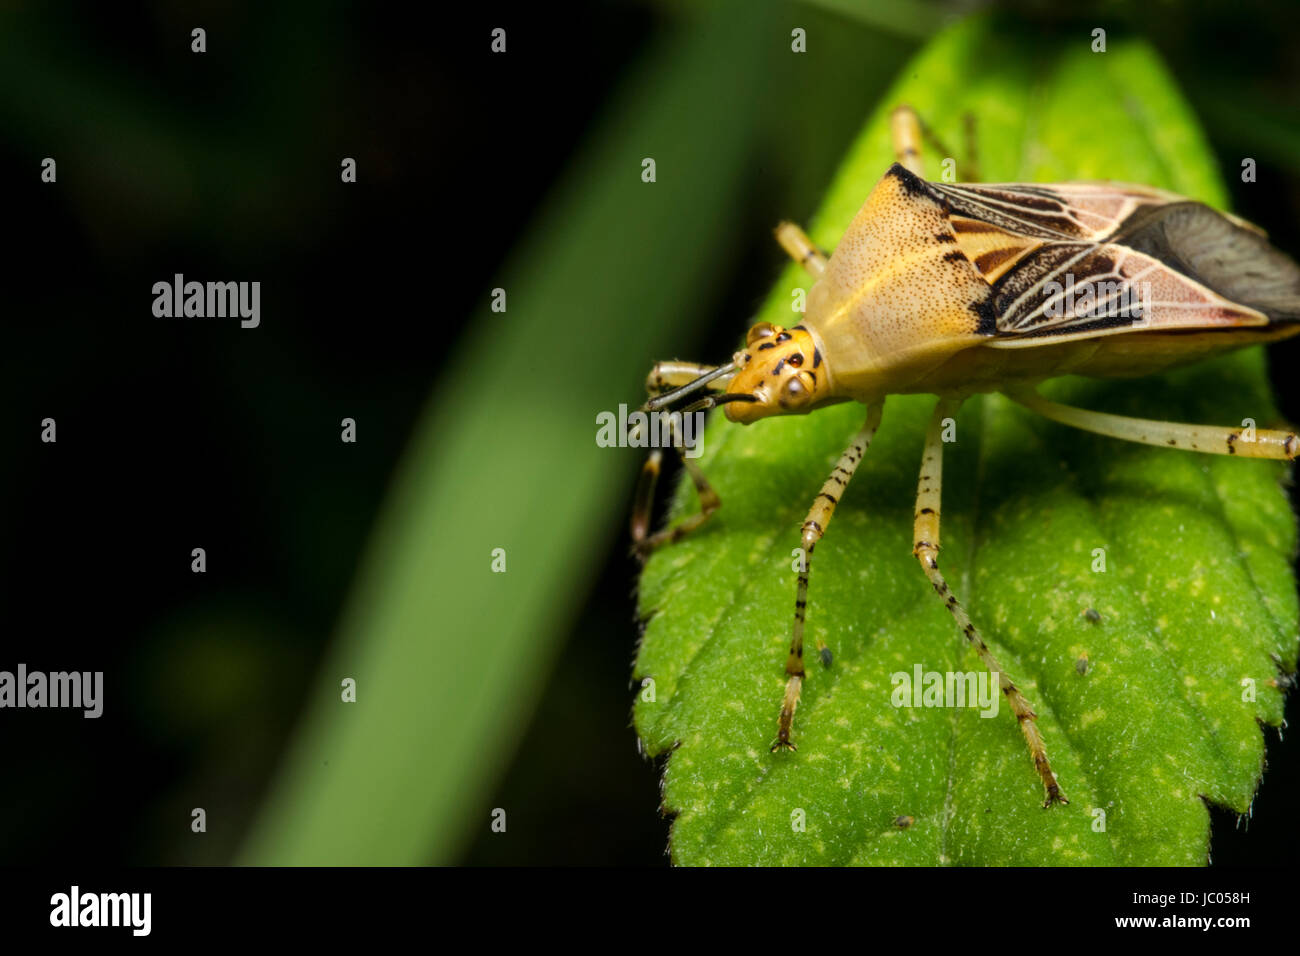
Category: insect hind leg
[1247,442]
[925,546]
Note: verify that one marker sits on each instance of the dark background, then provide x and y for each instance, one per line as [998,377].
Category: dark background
[175,434]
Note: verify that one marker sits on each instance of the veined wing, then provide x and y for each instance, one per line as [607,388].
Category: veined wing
[998,225]
[1083,211]
[1126,258]
[1070,290]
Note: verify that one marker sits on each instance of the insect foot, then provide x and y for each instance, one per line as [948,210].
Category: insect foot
[783,741]
[1028,721]
[1052,788]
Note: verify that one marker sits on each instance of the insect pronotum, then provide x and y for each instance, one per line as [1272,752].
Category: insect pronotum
[959,289]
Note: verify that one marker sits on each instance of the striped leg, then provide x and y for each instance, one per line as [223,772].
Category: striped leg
[663,379]
[642,541]
[905,130]
[801,249]
[666,376]
[971,173]
[814,526]
[1212,439]
[926,548]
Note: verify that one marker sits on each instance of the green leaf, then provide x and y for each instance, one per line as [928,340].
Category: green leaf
[1197,595]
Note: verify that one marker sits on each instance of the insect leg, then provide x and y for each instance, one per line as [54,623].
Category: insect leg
[814,526]
[666,376]
[642,541]
[908,131]
[801,249]
[971,173]
[905,130]
[1212,439]
[926,548]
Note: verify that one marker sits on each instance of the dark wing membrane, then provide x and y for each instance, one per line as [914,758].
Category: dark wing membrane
[1238,264]
[1174,266]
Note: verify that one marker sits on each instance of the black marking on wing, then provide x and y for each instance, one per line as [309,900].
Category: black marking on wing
[1022,301]
[1025,210]
[1190,239]
[914,185]
[987,315]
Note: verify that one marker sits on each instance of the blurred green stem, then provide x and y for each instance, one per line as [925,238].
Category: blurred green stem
[448,656]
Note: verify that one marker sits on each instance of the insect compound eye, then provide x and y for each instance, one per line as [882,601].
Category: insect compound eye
[794,392]
[760,331]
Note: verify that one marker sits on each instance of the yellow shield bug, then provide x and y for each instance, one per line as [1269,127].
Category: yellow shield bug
[960,289]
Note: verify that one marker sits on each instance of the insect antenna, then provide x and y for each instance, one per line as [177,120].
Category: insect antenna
[660,401]
[714,400]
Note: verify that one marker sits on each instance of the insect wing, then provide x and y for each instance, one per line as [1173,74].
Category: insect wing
[1076,260]
[1073,290]
[1084,211]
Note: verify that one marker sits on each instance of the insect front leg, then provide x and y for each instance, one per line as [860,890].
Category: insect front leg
[666,376]
[814,526]
[801,249]
[926,548]
[1211,439]
[642,541]
[663,378]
